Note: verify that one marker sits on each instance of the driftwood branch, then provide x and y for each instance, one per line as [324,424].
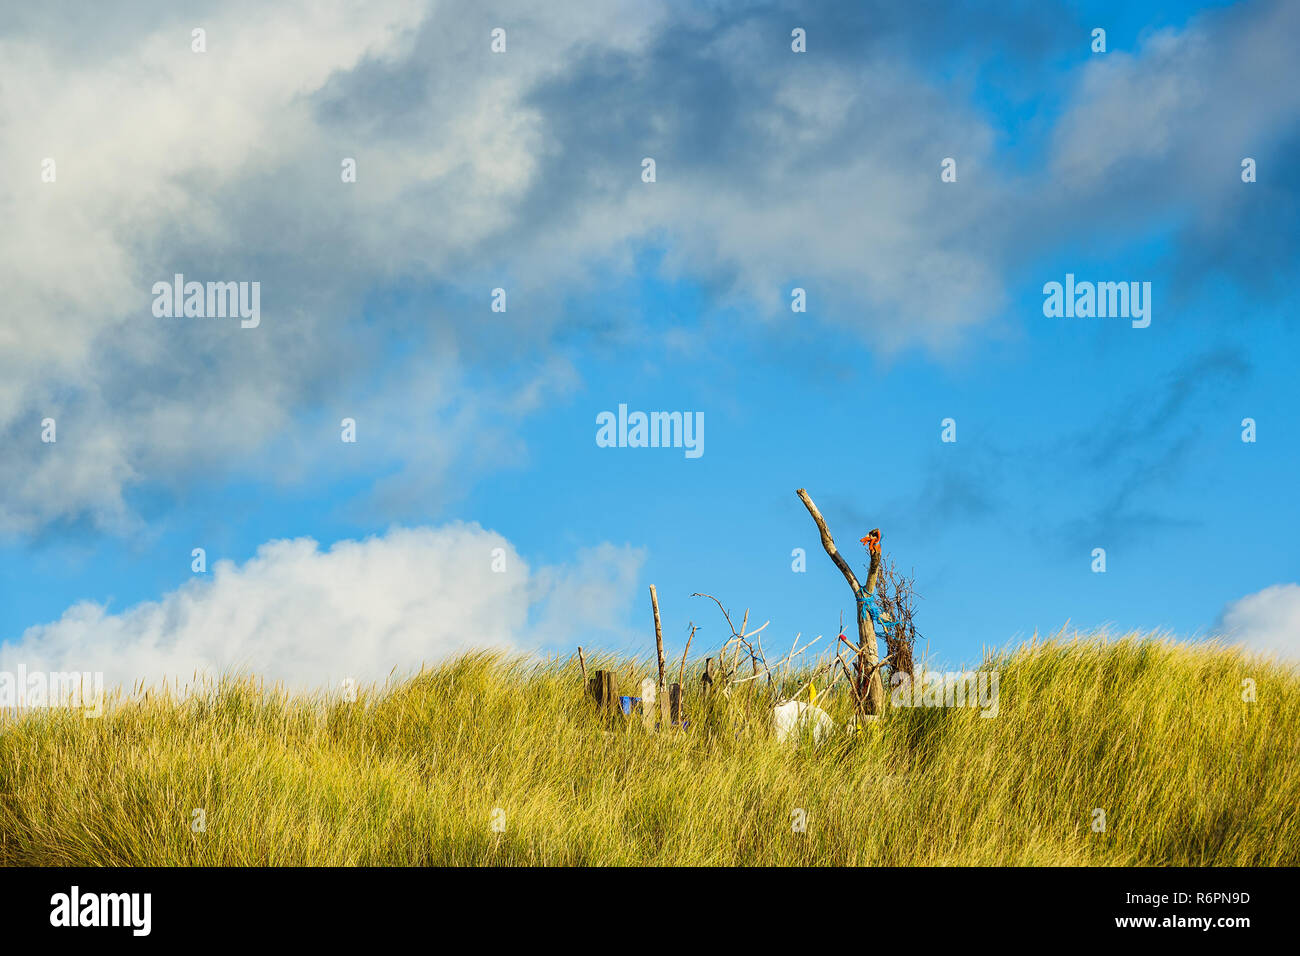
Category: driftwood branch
[681,673]
[741,638]
[852,684]
[784,662]
[828,542]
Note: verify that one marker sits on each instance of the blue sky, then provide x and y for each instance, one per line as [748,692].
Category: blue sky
[775,170]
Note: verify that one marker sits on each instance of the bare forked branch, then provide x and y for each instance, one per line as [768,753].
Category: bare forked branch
[741,638]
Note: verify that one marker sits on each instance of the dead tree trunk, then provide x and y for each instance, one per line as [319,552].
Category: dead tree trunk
[871,697]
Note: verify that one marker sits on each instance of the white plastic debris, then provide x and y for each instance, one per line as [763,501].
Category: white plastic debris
[794,717]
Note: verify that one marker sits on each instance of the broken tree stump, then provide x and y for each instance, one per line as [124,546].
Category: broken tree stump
[604,688]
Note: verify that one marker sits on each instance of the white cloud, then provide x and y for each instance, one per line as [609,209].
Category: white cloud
[1267,621]
[312,617]
[151,143]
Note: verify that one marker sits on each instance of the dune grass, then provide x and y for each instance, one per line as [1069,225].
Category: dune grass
[1155,734]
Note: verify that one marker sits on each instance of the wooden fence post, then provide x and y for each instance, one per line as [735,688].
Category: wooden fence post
[661,691]
[675,704]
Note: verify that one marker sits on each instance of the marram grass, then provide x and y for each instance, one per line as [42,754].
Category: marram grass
[1155,734]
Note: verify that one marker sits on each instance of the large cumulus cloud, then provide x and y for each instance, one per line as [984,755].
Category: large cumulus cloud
[312,616]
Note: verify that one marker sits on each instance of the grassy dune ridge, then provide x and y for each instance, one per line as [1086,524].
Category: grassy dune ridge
[1154,733]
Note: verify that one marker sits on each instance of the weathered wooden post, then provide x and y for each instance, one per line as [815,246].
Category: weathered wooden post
[661,690]
[706,679]
[675,704]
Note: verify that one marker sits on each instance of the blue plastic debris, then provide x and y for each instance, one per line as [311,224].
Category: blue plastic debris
[627,702]
[868,606]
